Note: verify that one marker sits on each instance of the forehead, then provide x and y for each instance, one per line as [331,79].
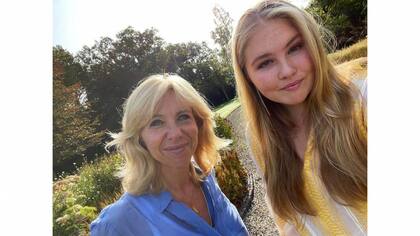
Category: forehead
[269,35]
[171,102]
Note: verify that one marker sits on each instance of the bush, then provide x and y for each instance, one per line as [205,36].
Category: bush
[230,173]
[77,200]
[232,177]
[223,127]
[69,217]
[98,182]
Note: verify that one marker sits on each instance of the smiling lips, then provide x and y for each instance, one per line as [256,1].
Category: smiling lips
[292,86]
[175,148]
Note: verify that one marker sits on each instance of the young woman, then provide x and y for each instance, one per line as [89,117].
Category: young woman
[306,124]
[166,124]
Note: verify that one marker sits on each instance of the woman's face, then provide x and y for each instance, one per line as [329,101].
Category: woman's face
[278,63]
[171,135]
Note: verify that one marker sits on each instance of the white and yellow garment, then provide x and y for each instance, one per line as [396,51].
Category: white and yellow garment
[332,218]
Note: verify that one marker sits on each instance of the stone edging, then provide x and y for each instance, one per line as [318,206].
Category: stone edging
[246,202]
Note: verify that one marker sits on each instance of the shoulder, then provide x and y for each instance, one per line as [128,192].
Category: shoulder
[211,181]
[119,218]
[116,210]
[219,198]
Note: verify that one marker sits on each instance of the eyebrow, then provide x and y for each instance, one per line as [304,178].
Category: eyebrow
[179,112]
[293,39]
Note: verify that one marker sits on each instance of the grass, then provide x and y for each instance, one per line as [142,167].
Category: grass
[352,52]
[225,109]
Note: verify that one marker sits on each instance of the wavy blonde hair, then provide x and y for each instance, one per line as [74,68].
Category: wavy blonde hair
[337,135]
[140,173]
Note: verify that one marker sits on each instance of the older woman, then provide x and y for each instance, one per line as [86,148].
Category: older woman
[167,125]
[307,124]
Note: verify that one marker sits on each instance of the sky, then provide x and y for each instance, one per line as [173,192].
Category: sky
[80,22]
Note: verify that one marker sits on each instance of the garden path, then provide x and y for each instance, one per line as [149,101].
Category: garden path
[258,219]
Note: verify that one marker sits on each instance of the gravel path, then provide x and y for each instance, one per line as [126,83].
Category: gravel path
[258,219]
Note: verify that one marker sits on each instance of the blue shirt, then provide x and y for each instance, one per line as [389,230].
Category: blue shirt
[161,214]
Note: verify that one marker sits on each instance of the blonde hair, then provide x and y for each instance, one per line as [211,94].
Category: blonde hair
[140,173]
[337,136]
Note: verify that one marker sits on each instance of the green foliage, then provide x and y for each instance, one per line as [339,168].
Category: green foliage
[231,177]
[223,127]
[221,36]
[98,182]
[74,130]
[78,199]
[201,66]
[347,19]
[112,68]
[352,52]
[69,217]
[230,173]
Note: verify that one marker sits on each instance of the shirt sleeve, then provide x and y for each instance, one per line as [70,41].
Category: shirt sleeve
[120,219]
[103,229]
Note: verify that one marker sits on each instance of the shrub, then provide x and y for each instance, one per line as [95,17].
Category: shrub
[230,173]
[98,182]
[69,217]
[77,200]
[232,177]
[223,128]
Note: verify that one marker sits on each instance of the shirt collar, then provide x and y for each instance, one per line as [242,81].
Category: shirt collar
[163,200]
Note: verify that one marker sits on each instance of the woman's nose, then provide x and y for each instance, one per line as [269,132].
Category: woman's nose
[285,69]
[173,132]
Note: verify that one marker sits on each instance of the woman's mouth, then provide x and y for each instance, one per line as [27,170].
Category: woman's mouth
[176,149]
[292,86]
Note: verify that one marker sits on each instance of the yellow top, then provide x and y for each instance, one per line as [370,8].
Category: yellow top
[332,218]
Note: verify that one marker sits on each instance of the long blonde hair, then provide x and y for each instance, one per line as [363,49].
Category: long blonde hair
[338,138]
[140,173]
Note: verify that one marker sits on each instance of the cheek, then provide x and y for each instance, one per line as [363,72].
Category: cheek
[264,80]
[304,62]
[192,132]
[151,140]
[259,78]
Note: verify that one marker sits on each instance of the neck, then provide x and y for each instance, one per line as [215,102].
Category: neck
[299,115]
[176,179]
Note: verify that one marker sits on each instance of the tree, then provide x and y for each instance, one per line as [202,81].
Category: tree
[347,19]
[73,128]
[113,69]
[221,35]
[201,66]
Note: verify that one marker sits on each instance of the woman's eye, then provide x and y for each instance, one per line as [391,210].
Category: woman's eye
[295,48]
[156,123]
[264,64]
[183,117]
